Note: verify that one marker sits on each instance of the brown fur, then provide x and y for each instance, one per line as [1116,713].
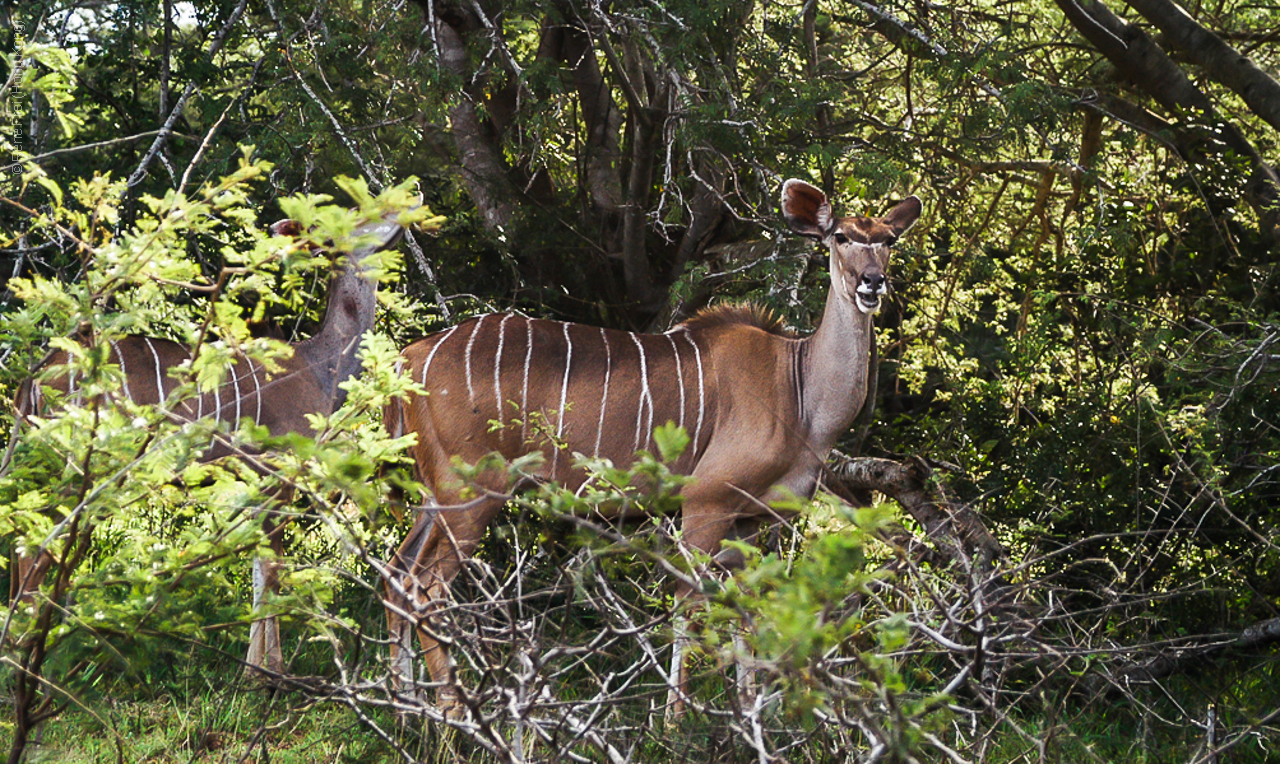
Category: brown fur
[748,313]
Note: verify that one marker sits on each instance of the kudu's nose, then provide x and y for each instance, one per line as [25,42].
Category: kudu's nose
[874,281]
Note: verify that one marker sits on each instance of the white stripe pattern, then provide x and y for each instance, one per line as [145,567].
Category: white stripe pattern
[564,393]
[697,356]
[471,343]
[124,373]
[604,397]
[160,396]
[426,365]
[679,376]
[497,368]
[257,392]
[235,383]
[646,398]
[199,403]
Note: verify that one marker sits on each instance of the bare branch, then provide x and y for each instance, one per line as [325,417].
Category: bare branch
[958,531]
[167,129]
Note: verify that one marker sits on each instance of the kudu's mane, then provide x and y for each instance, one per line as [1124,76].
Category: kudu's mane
[746,314]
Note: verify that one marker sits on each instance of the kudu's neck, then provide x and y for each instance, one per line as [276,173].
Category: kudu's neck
[832,369]
[333,352]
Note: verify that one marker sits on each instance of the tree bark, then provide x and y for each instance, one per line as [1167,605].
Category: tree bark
[1184,659]
[1144,64]
[603,122]
[1135,56]
[484,170]
[1220,61]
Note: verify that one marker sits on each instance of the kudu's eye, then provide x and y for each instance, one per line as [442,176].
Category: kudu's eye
[889,242]
[841,238]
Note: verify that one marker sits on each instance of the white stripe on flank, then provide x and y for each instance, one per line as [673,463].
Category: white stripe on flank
[679,376]
[427,363]
[604,397]
[257,392]
[524,394]
[124,373]
[160,396]
[497,368]
[645,396]
[199,403]
[217,404]
[235,383]
[697,356]
[471,343]
[564,393]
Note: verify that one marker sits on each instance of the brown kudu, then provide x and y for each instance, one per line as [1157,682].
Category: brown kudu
[763,410]
[308,382]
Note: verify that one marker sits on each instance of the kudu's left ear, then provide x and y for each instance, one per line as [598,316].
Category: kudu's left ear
[285,227]
[904,215]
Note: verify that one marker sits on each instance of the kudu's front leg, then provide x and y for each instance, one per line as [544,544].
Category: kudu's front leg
[704,525]
[416,589]
[265,659]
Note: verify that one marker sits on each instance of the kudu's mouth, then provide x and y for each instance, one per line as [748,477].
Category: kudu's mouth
[868,302]
[867,297]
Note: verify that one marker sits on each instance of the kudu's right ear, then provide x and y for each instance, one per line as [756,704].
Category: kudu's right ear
[806,209]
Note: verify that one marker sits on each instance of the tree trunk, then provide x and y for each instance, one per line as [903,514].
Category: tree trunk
[1143,63]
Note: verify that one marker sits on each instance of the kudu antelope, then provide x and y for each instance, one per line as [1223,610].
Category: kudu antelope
[762,408]
[306,383]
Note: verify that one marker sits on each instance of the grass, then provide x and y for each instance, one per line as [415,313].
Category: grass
[217,726]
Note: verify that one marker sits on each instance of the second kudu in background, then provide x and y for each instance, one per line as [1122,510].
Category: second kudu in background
[306,383]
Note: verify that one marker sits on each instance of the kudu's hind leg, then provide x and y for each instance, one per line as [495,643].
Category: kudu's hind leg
[705,531]
[405,603]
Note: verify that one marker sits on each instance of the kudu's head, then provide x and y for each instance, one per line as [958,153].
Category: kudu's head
[376,235]
[859,245]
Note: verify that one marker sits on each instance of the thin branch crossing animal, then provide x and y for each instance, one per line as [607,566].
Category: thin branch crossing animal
[762,408]
[307,383]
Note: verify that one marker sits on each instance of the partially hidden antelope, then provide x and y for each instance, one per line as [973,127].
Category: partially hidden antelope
[308,382]
[762,408]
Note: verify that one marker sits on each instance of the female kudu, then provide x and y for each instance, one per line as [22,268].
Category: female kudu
[763,410]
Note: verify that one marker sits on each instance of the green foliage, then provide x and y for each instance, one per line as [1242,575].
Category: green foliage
[146,545]
[1084,323]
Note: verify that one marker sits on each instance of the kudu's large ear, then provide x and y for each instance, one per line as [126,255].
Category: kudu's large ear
[285,227]
[806,209]
[904,215]
[383,233]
